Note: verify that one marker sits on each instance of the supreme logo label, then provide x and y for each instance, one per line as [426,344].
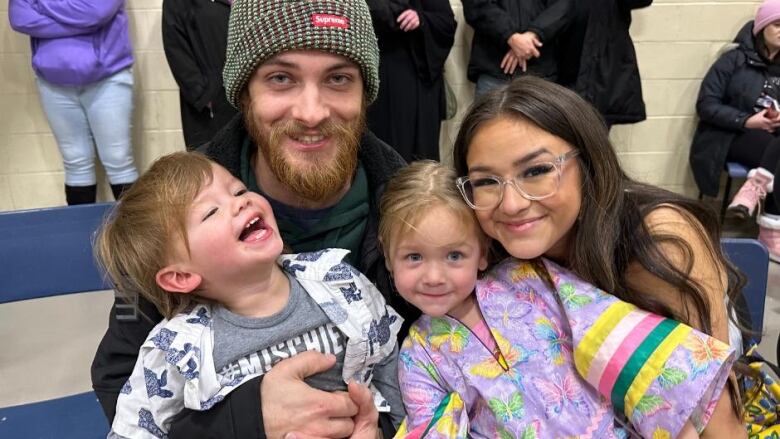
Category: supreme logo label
[328,20]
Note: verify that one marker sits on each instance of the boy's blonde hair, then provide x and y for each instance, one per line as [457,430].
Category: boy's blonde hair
[414,191]
[141,234]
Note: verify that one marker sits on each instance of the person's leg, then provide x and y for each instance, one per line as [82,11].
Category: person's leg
[109,105]
[748,149]
[769,221]
[486,83]
[68,122]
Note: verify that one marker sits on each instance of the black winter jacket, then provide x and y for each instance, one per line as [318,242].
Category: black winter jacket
[605,73]
[726,98]
[494,21]
[239,415]
[194,39]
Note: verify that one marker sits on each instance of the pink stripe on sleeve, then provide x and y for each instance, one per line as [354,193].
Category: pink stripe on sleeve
[623,353]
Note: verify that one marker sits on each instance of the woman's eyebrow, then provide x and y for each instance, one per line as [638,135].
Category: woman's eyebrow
[522,160]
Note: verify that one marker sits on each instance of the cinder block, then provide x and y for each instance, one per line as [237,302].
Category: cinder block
[31,153]
[22,113]
[153,144]
[661,168]
[620,136]
[152,72]
[158,110]
[676,60]
[31,191]
[17,73]
[146,29]
[6,203]
[10,40]
[691,21]
[663,134]
[671,97]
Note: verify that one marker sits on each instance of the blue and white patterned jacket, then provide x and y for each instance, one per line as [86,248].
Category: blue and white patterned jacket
[175,367]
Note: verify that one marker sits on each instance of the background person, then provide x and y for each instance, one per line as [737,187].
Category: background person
[415,38]
[194,39]
[512,38]
[82,59]
[646,246]
[738,120]
[300,142]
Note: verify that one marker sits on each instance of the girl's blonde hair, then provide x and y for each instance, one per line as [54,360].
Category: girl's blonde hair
[414,191]
[141,233]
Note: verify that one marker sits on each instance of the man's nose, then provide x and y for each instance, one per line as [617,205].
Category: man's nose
[310,107]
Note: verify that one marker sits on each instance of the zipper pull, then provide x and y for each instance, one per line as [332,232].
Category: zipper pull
[211,110]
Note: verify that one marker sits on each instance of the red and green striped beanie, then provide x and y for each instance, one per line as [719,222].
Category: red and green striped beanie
[260,29]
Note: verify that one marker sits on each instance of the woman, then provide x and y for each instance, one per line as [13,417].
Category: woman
[738,112]
[82,59]
[649,247]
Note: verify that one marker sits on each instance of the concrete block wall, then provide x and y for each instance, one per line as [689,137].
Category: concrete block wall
[676,42]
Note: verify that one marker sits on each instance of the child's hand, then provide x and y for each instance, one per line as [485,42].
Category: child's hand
[367,419]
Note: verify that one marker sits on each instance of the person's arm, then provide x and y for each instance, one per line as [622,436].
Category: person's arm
[704,269]
[384,14]
[488,18]
[550,22]
[81,13]
[118,350]
[635,4]
[26,18]
[386,382]
[710,105]
[181,58]
[421,392]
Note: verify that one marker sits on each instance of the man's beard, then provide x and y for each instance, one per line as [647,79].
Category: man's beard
[312,179]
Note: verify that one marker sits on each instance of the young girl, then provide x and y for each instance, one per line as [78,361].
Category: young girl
[529,350]
[206,252]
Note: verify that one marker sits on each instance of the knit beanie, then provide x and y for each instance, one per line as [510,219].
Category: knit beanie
[260,29]
[768,12]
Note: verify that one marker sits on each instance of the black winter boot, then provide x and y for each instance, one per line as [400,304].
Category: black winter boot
[80,194]
[119,189]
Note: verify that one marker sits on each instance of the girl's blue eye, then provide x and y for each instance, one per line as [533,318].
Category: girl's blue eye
[414,257]
[454,256]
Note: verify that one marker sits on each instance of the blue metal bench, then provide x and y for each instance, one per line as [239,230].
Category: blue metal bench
[48,252]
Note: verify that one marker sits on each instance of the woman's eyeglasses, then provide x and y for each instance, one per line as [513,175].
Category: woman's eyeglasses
[536,180]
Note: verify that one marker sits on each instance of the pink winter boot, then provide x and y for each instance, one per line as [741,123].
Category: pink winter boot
[750,195]
[769,234]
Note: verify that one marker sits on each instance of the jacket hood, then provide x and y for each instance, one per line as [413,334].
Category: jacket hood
[745,38]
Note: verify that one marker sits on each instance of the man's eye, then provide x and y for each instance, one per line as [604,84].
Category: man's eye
[209,214]
[340,79]
[241,192]
[454,256]
[279,78]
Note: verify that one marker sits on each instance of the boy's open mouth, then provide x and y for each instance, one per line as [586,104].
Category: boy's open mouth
[254,230]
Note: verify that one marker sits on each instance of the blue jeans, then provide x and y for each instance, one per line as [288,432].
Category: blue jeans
[486,83]
[98,113]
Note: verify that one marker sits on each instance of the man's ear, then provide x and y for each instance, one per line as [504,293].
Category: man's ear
[176,279]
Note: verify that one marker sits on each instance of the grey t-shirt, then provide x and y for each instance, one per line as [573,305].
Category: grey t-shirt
[246,345]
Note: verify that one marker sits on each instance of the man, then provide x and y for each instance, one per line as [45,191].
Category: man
[514,37]
[301,74]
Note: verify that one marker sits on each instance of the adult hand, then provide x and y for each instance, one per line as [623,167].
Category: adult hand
[289,404]
[525,45]
[760,121]
[408,20]
[366,420]
[510,63]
